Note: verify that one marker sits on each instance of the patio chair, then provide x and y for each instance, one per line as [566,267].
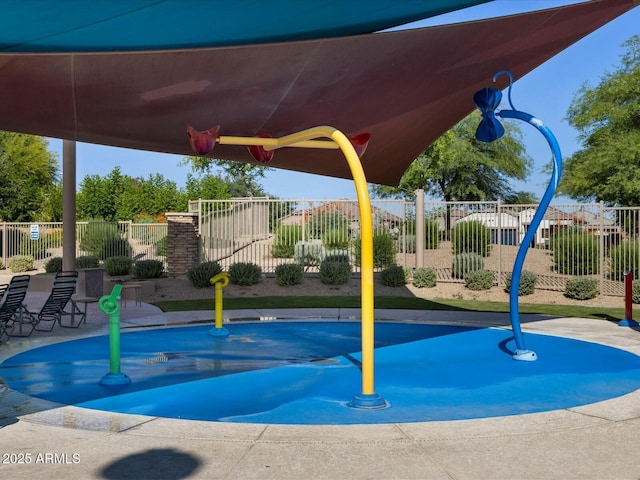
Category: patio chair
[11,311]
[54,308]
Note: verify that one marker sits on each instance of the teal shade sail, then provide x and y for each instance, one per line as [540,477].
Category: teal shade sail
[109,25]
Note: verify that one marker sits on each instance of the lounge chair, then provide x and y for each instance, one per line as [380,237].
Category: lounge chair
[54,309]
[11,311]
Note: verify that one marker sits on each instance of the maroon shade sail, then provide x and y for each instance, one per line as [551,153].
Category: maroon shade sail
[405,88]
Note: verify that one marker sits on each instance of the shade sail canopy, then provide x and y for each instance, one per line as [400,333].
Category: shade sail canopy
[405,88]
[108,25]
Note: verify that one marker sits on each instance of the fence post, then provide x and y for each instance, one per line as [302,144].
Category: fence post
[420,234]
[499,242]
[601,247]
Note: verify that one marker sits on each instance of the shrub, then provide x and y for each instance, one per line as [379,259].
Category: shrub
[286,237]
[394,276]
[21,263]
[148,269]
[241,273]
[336,238]
[288,274]
[575,253]
[471,237]
[624,257]
[337,256]
[119,265]
[635,291]
[527,283]
[464,263]
[335,273]
[87,261]
[384,249]
[104,239]
[410,243]
[478,280]
[200,275]
[582,288]
[161,247]
[53,265]
[325,221]
[34,248]
[308,253]
[425,277]
[431,234]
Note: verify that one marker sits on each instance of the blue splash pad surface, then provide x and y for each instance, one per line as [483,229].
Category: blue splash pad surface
[307,372]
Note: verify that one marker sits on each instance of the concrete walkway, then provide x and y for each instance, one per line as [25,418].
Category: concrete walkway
[42,440]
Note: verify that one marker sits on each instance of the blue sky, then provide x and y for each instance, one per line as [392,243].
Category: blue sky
[546,93]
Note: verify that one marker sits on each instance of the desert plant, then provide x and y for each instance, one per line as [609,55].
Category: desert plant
[199,275]
[104,239]
[464,263]
[337,256]
[53,265]
[527,285]
[624,257]
[425,277]
[148,269]
[242,273]
[325,221]
[431,234]
[393,276]
[478,280]
[582,288]
[384,249]
[308,253]
[334,273]
[286,237]
[21,263]
[119,265]
[34,248]
[471,237]
[87,261]
[575,252]
[336,238]
[288,274]
[161,246]
[635,291]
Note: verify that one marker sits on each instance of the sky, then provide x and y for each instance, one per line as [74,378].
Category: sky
[546,93]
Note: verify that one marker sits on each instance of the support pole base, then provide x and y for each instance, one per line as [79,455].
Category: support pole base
[219,332]
[368,401]
[628,323]
[525,356]
[115,379]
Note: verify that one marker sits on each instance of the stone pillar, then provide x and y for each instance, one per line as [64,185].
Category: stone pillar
[183,243]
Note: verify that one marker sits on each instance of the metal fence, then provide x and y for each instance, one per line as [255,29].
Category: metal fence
[42,241]
[573,240]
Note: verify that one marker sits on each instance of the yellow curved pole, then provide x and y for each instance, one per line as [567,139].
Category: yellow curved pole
[220,281]
[305,138]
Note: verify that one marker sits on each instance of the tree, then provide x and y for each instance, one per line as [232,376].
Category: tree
[121,197]
[242,178]
[607,117]
[457,167]
[27,171]
[522,198]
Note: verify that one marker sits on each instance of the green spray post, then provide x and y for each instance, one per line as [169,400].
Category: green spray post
[109,305]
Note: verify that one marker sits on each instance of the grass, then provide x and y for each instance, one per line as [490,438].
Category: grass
[407,303]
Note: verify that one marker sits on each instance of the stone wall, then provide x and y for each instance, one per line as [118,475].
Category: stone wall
[183,243]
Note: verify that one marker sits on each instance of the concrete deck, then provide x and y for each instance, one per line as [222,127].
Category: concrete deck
[43,440]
